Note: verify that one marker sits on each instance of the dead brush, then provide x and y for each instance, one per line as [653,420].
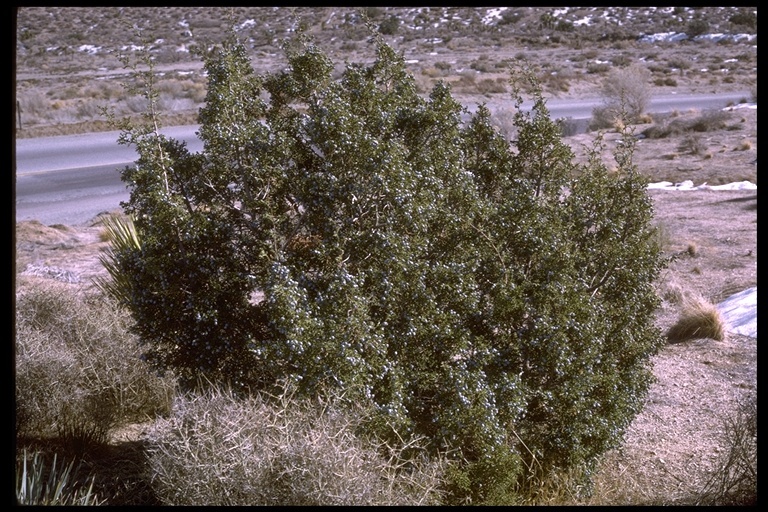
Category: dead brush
[78,369]
[672,292]
[735,481]
[220,448]
[699,318]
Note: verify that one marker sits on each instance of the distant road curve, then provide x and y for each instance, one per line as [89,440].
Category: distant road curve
[70,179]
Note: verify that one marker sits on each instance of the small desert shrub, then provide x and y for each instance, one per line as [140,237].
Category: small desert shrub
[679,63]
[708,121]
[568,126]
[627,89]
[602,118]
[196,92]
[467,78]
[699,319]
[489,86]
[481,65]
[556,82]
[510,17]
[88,109]
[612,117]
[666,81]
[744,145]
[65,93]
[673,293]
[34,103]
[652,132]
[78,372]
[656,68]
[135,104]
[598,68]
[692,144]
[174,88]
[431,72]
[735,480]
[644,119]
[168,55]
[676,127]
[103,90]
[696,27]
[744,18]
[217,448]
[390,25]
[621,60]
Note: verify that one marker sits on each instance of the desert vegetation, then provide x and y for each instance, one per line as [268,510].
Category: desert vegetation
[63,80]
[699,319]
[266,364]
[312,445]
[357,264]
[626,93]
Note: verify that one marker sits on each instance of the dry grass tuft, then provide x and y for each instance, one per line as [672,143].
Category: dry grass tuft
[672,292]
[699,319]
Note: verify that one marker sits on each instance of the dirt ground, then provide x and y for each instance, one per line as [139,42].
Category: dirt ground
[710,237]
[675,444]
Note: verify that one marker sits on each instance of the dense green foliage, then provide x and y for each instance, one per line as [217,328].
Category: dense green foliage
[347,233]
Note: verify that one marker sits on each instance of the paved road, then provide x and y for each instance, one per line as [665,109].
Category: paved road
[71,179]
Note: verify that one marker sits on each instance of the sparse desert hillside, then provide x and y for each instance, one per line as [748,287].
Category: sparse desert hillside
[68,62]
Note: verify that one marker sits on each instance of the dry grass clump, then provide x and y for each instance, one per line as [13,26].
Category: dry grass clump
[220,449]
[672,292]
[616,482]
[735,480]
[699,319]
[490,86]
[33,102]
[78,371]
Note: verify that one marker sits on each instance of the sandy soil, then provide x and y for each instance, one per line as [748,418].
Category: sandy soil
[676,443]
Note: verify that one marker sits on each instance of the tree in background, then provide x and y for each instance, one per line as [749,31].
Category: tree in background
[626,94]
[349,234]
